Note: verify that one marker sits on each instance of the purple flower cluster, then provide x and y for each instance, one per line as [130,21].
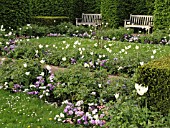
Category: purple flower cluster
[10,46]
[39,82]
[102,63]
[75,113]
[17,88]
[73,61]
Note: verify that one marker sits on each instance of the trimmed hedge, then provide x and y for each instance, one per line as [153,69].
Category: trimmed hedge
[49,20]
[162,14]
[115,11]
[14,13]
[156,75]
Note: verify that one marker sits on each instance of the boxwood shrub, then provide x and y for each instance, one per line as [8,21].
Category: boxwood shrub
[156,75]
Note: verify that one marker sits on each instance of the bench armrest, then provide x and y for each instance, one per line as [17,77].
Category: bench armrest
[127,22]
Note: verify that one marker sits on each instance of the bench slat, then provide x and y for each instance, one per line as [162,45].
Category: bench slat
[140,21]
[89,19]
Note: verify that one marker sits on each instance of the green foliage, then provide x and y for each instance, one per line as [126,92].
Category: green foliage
[126,113]
[14,72]
[156,76]
[109,10]
[162,14]
[77,83]
[14,13]
[32,30]
[157,37]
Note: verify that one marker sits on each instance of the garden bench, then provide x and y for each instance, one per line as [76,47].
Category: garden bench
[139,21]
[89,19]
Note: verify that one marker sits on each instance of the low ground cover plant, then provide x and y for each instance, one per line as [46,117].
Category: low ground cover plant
[84,92]
[117,58]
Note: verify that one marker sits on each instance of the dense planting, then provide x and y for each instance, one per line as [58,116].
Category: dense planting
[86,91]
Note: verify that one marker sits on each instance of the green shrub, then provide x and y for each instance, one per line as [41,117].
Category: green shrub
[157,37]
[14,13]
[77,83]
[32,30]
[156,75]
[22,72]
[161,14]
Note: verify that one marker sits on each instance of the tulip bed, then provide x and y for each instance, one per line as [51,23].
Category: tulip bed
[85,93]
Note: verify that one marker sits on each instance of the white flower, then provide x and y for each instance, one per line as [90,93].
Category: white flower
[152,57]
[94,111]
[37,37]
[83,49]
[26,90]
[42,87]
[95,45]
[96,116]
[27,73]
[65,102]
[62,115]
[28,24]
[129,46]
[53,45]
[40,46]
[100,56]
[48,67]
[100,85]
[46,46]
[137,47]
[116,95]
[120,68]
[25,65]
[10,33]
[42,61]
[141,63]
[32,86]
[79,103]
[122,50]
[64,59]
[47,94]
[91,53]
[90,104]
[1,87]
[86,65]
[28,39]
[6,83]
[154,51]
[140,90]
[59,119]
[36,51]
[41,96]
[64,42]
[2,59]
[42,74]
[67,46]
[93,93]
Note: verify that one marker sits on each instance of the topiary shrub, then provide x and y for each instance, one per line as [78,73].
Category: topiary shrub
[156,75]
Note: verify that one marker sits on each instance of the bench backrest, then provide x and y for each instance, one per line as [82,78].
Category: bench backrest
[142,19]
[91,18]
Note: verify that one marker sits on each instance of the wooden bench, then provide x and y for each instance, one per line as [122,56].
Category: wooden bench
[139,21]
[89,19]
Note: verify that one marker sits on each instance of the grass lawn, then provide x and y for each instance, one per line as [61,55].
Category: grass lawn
[22,111]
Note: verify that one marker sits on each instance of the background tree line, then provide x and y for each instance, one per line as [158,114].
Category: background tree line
[17,13]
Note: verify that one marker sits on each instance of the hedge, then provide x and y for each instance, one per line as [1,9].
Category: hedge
[156,75]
